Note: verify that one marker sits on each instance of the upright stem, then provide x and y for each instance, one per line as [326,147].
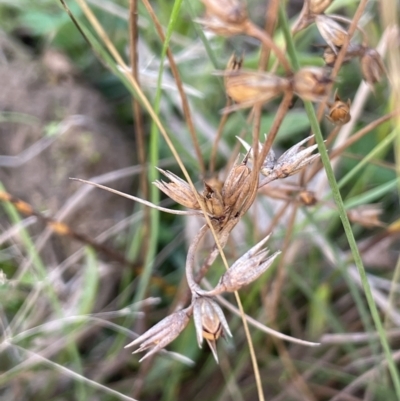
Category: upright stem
[138,117]
[343,216]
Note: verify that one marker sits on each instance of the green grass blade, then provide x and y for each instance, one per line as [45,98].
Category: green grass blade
[342,212]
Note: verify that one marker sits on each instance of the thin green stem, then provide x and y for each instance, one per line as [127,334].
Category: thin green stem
[342,212]
[153,172]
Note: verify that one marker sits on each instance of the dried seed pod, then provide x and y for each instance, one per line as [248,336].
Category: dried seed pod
[213,200]
[339,111]
[372,66]
[366,215]
[246,269]
[292,161]
[162,333]
[333,33]
[311,83]
[270,160]
[237,185]
[210,322]
[353,50]
[220,27]
[308,198]
[229,11]
[250,87]
[178,190]
[318,6]
[329,56]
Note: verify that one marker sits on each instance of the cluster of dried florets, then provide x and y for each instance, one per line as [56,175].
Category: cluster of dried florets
[248,88]
[336,36]
[209,319]
[224,203]
[289,163]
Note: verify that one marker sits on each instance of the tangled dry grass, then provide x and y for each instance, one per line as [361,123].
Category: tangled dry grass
[330,326]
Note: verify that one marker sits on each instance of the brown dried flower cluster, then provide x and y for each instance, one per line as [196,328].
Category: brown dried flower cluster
[225,202]
[335,36]
[248,88]
[291,162]
[219,201]
[225,17]
[209,319]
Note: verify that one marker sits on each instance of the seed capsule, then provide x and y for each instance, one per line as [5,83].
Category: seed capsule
[372,66]
[210,322]
[311,83]
[250,87]
[213,200]
[230,11]
[220,27]
[366,215]
[333,33]
[178,190]
[339,111]
[160,335]
[237,185]
[353,50]
[246,269]
[307,198]
[225,17]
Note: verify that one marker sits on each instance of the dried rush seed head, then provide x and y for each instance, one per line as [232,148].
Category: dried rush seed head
[246,269]
[353,50]
[372,66]
[250,87]
[293,161]
[290,163]
[269,161]
[366,215]
[307,198]
[333,33]
[210,322]
[220,27]
[311,83]
[213,201]
[339,111]
[162,333]
[237,185]
[229,11]
[178,190]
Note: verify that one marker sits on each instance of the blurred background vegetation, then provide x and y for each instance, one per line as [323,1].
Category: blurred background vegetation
[68,306]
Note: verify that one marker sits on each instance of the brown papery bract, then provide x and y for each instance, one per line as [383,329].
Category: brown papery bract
[229,11]
[372,66]
[333,33]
